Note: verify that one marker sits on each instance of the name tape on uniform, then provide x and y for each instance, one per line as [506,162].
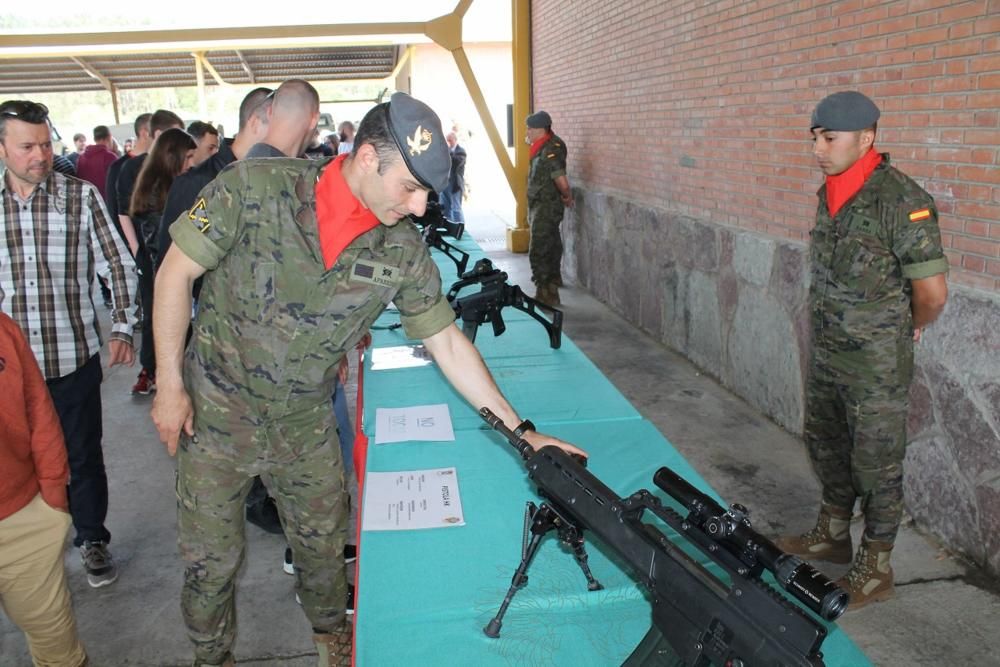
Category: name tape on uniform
[375,273]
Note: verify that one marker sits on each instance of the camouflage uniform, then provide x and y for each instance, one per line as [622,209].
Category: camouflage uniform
[272,326]
[545,213]
[857,395]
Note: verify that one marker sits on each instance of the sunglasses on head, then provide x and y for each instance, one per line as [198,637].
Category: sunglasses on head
[30,112]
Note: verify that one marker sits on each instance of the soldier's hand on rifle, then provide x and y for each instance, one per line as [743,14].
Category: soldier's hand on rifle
[538,440]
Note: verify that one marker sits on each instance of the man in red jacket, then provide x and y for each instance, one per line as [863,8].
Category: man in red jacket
[34,511]
[93,163]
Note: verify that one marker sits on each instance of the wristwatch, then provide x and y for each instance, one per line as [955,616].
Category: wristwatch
[526,425]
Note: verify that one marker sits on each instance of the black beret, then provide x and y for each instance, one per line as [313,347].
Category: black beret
[539,120]
[416,129]
[846,111]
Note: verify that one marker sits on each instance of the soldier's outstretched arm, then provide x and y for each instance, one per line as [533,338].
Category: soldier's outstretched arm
[172,408]
[464,368]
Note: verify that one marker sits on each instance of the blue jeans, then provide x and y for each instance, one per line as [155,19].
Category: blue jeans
[344,429]
[451,206]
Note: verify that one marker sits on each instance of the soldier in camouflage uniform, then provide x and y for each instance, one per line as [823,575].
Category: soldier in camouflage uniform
[296,268]
[878,278]
[548,195]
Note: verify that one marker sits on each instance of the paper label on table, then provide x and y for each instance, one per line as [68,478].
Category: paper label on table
[412,500]
[418,422]
[400,356]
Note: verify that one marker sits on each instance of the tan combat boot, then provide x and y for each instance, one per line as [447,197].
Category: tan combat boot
[870,578]
[829,540]
[335,648]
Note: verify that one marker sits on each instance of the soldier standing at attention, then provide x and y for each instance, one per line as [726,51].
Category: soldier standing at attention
[299,257]
[548,195]
[878,279]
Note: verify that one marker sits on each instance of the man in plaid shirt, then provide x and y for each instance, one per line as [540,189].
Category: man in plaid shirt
[55,239]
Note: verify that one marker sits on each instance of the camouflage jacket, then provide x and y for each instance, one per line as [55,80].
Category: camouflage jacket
[273,322]
[863,260]
[548,164]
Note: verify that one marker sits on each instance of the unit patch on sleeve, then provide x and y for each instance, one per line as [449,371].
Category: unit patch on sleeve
[919,215]
[199,215]
[374,273]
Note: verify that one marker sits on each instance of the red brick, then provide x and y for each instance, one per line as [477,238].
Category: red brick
[929,36]
[722,81]
[955,49]
[960,11]
[985,63]
[978,210]
[975,246]
[973,263]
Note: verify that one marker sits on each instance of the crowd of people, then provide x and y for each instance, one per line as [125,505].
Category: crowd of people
[157,229]
[257,270]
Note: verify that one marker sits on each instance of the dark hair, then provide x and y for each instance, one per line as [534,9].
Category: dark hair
[199,129]
[374,130]
[256,103]
[78,136]
[162,120]
[101,133]
[162,165]
[142,121]
[34,113]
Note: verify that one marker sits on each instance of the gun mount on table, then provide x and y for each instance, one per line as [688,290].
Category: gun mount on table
[494,295]
[699,618]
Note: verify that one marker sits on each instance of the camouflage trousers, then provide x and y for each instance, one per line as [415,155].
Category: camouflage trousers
[301,465]
[856,435]
[545,248]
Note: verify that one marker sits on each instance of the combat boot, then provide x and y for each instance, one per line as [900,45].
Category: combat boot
[335,648]
[870,578]
[829,540]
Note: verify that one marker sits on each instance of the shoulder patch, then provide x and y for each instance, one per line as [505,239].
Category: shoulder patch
[198,215]
[920,214]
[550,156]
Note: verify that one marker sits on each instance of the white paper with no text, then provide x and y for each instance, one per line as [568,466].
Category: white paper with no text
[412,500]
[418,422]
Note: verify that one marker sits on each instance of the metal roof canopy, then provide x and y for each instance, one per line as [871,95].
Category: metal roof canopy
[73,73]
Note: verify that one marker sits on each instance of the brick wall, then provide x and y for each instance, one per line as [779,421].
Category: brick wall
[702,107]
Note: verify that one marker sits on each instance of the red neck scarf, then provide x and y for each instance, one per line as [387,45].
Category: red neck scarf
[340,217]
[537,145]
[841,187]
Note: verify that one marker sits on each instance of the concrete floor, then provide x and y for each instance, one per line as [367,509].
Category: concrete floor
[944,613]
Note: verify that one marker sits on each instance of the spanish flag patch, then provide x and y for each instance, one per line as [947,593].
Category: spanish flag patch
[922,214]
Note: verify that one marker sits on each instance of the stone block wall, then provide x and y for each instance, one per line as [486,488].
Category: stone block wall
[734,302]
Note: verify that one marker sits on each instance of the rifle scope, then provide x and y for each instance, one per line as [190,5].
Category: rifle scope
[732,530]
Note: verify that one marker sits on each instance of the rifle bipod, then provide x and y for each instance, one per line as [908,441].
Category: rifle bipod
[538,521]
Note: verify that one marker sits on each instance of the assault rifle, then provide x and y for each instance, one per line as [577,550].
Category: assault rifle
[433,216]
[432,237]
[495,294]
[699,619]
[434,226]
